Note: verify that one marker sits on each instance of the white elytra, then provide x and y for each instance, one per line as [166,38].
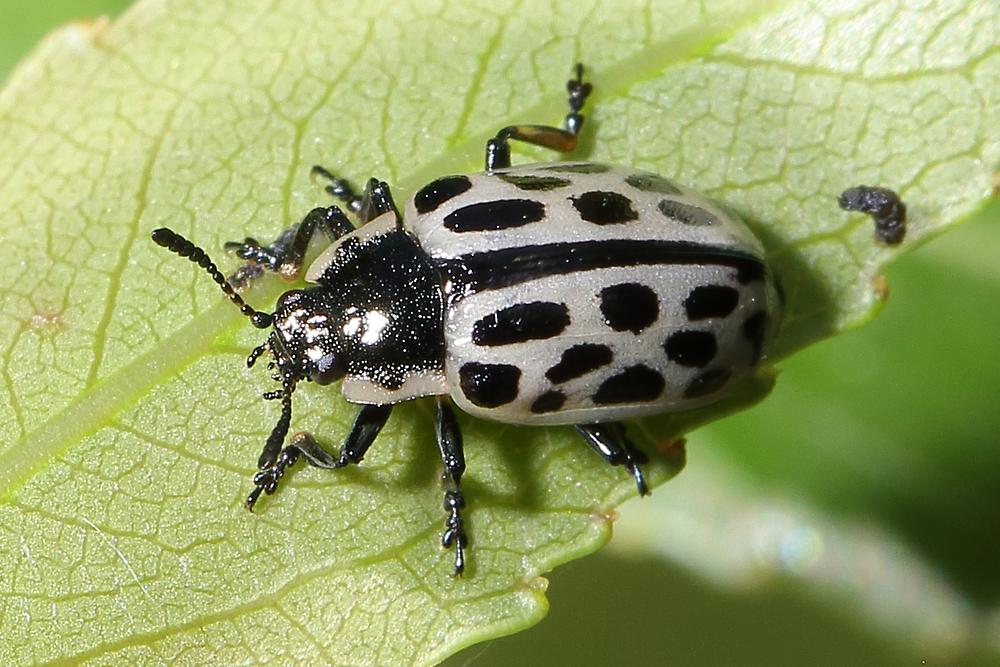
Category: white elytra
[664,214]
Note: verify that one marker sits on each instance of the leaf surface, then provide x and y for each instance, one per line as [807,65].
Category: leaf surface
[132,425]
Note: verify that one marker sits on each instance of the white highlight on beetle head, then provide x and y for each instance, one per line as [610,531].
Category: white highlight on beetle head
[374,323]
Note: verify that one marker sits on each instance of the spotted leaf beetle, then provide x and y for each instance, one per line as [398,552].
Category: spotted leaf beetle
[571,293]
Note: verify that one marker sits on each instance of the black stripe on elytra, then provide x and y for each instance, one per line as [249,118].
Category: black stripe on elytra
[532,183]
[707,301]
[521,322]
[634,384]
[490,216]
[432,195]
[686,214]
[506,267]
[579,360]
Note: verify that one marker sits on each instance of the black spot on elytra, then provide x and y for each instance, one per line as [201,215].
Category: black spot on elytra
[605,208]
[629,307]
[652,183]
[707,383]
[691,348]
[754,328]
[495,215]
[579,360]
[550,401]
[535,183]
[432,195]
[489,385]
[634,384]
[583,168]
[686,214]
[707,301]
[521,322]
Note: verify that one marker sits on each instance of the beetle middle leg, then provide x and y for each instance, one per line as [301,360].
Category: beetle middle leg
[449,438]
[558,139]
[609,440]
[367,425]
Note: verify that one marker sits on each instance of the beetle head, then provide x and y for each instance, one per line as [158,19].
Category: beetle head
[303,342]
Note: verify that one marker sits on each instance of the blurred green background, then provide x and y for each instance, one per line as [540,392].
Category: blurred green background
[853,518]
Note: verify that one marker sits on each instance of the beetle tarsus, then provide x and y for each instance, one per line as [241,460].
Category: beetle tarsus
[454,534]
[266,480]
[449,437]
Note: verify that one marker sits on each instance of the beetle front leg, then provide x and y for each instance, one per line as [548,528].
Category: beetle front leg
[286,253]
[367,425]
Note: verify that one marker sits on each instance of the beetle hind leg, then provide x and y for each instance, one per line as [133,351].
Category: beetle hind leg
[558,139]
[609,440]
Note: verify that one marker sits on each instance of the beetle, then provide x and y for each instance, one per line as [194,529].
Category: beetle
[558,293]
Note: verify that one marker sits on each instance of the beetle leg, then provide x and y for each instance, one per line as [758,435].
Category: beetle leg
[609,440]
[341,188]
[558,139]
[375,201]
[449,438]
[286,253]
[368,423]
[273,460]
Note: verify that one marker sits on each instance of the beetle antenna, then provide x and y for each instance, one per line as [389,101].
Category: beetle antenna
[176,243]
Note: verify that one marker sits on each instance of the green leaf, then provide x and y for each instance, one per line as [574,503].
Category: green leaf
[133,426]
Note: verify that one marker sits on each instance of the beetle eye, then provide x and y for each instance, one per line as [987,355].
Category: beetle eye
[327,370]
